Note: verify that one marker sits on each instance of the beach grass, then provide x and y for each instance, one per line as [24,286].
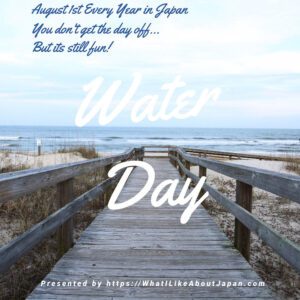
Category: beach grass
[292,163]
[12,168]
[84,151]
[18,215]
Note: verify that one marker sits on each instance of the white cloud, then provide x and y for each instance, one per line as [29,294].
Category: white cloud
[47,102]
[261,108]
[10,58]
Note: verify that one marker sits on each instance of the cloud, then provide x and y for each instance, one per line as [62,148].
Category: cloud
[260,108]
[48,102]
[273,63]
[10,58]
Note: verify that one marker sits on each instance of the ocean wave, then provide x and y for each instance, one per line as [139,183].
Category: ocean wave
[10,138]
[68,139]
[9,145]
[115,137]
[215,142]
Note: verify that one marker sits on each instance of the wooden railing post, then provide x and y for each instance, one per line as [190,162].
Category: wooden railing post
[202,172]
[107,193]
[241,232]
[172,153]
[176,156]
[101,200]
[136,155]
[141,154]
[182,161]
[65,232]
[187,164]
[175,162]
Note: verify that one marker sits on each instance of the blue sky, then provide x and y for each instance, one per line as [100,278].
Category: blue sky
[250,49]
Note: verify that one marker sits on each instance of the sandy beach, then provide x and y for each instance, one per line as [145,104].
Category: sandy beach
[33,161]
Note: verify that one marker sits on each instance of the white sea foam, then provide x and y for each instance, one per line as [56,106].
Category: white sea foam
[9,138]
[211,142]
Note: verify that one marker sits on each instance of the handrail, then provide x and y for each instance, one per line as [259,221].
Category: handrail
[245,221]
[206,152]
[283,185]
[19,183]
[233,154]
[13,251]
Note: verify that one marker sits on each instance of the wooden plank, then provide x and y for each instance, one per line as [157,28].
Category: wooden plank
[65,232]
[202,172]
[241,232]
[234,154]
[142,243]
[108,191]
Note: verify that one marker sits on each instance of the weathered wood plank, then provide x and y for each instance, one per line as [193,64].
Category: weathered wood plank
[233,154]
[241,232]
[65,232]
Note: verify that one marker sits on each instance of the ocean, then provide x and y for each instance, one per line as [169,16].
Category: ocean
[114,139]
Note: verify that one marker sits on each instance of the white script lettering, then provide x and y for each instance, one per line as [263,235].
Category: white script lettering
[191,199]
[147,107]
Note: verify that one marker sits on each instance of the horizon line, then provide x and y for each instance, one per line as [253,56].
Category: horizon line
[149,127]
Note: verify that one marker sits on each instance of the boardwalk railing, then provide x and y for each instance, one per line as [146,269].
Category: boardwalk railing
[283,185]
[159,149]
[15,184]
[232,155]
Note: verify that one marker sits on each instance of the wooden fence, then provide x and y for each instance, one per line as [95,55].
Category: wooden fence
[16,184]
[283,185]
[158,149]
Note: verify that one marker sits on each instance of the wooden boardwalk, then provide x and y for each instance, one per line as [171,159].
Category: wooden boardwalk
[142,243]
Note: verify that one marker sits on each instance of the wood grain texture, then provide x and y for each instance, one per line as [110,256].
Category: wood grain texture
[65,232]
[241,232]
[143,243]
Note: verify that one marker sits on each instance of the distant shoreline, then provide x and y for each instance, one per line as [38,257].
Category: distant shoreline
[116,140]
[147,127]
